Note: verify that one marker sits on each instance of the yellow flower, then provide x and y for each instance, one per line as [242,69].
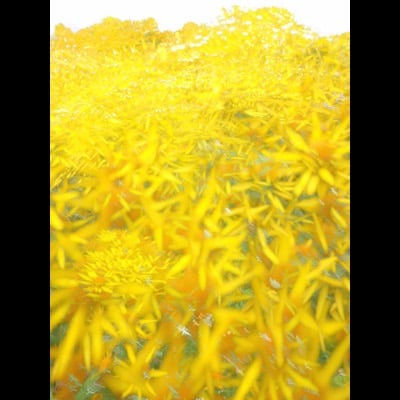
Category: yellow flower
[112,291]
[135,376]
[199,209]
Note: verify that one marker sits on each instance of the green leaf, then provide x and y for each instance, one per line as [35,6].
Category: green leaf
[191,348]
[107,394]
[244,247]
[156,361]
[58,333]
[323,357]
[120,352]
[241,115]
[238,305]
[339,380]
[227,392]
[247,289]
[89,387]
[314,300]
[329,347]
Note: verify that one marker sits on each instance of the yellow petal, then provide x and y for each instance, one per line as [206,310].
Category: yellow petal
[61,258]
[179,266]
[150,389]
[307,320]
[96,335]
[309,204]
[346,284]
[302,183]
[121,172]
[339,302]
[277,335]
[331,327]
[342,393]
[55,221]
[312,185]
[150,352]
[157,373]
[64,283]
[130,351]
[59,296]
[63,197]
[248,379]
[320,233]
[57,316]
[129,390]
[289,326]
[299,287]
[275,201]
[174,293]
[326,176]
[115,315]
[108,327]
[202,277]
[272,389]
[286,390]
[332,281]
[325,264]
[297,141]
[156,308]
[234,284]
[322,303]
[338,218]
[77,239]
[316,127]
[209,382]
[310,291]
[266,249]
[124,204]
[158,236]
[86,351]
[68,344]
[301,380]
[341,128]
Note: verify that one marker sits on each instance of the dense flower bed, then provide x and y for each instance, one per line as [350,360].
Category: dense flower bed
[199,211]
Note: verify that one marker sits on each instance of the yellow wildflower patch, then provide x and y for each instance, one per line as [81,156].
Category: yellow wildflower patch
[199,210]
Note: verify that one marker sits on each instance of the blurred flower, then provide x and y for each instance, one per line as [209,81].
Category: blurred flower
[199,210]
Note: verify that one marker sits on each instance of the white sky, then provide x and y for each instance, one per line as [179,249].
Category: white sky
[327,17]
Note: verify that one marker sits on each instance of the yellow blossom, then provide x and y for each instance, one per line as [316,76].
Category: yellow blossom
[200,210]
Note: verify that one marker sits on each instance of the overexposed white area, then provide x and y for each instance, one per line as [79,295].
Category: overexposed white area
[326,17]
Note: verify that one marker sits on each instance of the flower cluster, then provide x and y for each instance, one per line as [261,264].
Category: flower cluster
[199,211]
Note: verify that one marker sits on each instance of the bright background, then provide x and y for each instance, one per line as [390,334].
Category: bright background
[327,17]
